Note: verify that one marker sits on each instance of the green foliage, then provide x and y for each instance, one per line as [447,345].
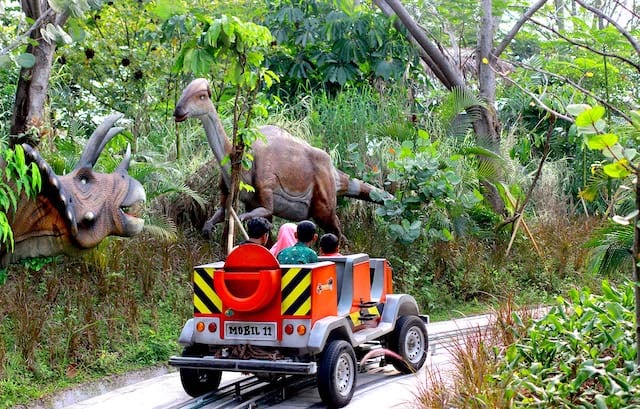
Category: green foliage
[580,355]
[611,249]
[612,246]
[330,45]
[429,195]
[18,177]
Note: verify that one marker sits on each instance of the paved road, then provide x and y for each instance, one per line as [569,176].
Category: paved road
[383,388]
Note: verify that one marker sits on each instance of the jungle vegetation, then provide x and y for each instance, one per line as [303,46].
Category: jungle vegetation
[506,130]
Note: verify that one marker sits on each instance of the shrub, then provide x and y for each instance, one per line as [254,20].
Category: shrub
[581,354]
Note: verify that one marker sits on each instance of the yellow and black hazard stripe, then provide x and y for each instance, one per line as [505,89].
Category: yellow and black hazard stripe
[296,291]
[371,312]
[205,299]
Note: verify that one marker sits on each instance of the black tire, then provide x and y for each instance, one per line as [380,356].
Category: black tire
[409,340]
[197,382]
[337,371]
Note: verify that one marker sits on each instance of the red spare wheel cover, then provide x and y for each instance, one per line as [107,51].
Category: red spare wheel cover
[249,266]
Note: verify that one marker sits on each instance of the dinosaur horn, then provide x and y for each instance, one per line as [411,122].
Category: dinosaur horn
[98,140]
[124,165]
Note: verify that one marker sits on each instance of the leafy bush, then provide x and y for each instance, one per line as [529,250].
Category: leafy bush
[581,354]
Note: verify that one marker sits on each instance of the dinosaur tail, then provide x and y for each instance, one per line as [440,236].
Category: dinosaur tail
[357,189]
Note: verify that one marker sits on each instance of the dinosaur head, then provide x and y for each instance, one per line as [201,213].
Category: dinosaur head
[78,210]
[195,101]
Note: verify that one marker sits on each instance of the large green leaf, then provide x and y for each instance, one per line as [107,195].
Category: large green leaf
[601,141]
[26,60]
[590,117]
[167,8]
[618,169]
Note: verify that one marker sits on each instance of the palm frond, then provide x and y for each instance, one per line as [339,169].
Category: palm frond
[611,249]
[459,111]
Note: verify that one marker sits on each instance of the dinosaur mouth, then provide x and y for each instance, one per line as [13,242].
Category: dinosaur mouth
[133,224]
[180,118]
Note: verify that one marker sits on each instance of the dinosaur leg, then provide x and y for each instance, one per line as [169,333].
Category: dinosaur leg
[257,212]
[330,224]
[217,217]
[264,199]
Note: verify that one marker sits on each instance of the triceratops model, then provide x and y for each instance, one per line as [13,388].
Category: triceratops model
[78,210]
[291,178]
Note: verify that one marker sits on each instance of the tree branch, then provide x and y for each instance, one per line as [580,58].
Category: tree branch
[388,11]
[36,25]
[576,86]
[516,28]
[545,153]
[536,99]
[451,78]
[585,46]
[625,33]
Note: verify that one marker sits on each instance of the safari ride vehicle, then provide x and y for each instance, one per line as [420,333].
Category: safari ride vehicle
[253,315]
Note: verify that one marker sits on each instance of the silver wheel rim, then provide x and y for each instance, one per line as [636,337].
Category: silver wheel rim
[344,374]
[414,344]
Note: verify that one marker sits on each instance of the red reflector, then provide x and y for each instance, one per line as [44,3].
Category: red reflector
[212,327]
[288,329]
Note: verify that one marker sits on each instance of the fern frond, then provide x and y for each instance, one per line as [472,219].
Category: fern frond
[161,227]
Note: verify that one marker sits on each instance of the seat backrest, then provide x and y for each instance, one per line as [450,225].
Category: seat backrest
[376,269]
[344,278]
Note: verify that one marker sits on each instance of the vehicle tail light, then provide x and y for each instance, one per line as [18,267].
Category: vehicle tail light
[213,327]
[288,329]
[301,329]
[200,326]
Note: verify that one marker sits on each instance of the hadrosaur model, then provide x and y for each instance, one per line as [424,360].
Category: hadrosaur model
[292,179]
[76,211]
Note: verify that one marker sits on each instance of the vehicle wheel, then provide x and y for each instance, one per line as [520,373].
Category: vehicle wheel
[197,382]
[409,340]
[337,374]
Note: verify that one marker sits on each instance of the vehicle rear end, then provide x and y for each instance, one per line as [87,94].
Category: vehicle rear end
[253,315]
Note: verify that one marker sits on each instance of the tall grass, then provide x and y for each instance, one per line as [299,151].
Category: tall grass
[468,382]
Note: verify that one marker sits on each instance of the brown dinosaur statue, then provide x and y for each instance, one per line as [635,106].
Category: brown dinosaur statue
[78,210]
[291,178]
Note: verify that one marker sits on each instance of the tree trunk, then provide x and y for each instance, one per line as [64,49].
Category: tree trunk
[33,83]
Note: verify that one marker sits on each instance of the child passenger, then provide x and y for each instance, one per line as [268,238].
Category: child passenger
[329,245]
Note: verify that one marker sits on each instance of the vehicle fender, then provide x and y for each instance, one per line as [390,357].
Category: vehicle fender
[398,305]
[188,333]
[326,328]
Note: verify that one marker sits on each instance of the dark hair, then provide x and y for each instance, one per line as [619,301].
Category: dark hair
[329,243]
[306,230]
[257,227]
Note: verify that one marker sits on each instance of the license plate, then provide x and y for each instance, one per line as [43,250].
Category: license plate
[250,330]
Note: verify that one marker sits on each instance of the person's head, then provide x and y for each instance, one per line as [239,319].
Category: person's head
[328,243]
[286,238]
[306,232]
[258,230]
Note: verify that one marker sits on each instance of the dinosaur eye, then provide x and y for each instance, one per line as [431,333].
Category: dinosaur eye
[84,177]
[202,97]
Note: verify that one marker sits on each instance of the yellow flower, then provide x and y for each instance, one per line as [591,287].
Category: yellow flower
[485,60]
[588,74]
